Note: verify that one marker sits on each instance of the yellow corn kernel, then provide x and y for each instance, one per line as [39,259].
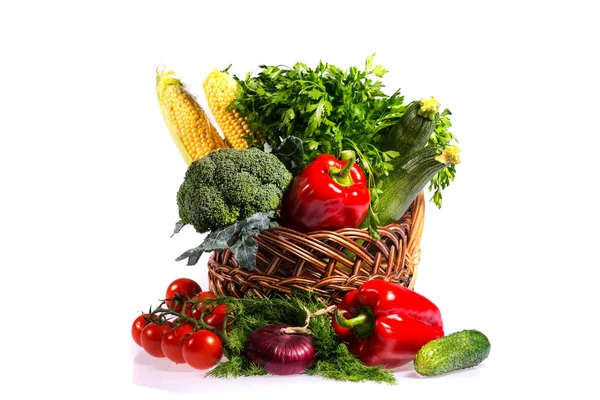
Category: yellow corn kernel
[188,124]
[220,89]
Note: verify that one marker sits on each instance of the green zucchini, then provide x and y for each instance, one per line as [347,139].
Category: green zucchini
[410,175]
[460,350]
[415,127]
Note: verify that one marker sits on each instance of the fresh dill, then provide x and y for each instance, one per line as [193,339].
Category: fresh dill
[334,361]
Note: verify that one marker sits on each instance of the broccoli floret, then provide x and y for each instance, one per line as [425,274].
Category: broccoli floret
[228,185]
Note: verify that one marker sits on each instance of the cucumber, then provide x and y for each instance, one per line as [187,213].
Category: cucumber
[415,127]
[410,175]
[460,350]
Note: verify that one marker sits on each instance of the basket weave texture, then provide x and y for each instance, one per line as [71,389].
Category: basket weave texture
[329,263]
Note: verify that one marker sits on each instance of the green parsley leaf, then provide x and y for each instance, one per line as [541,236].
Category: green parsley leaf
[379,71]
[442,137]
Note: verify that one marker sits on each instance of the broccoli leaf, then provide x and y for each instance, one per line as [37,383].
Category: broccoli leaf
[237,237]
[178,226]
[192,255]
[244,250]
[258,221]
[219,239]
[215,240]
[290,152]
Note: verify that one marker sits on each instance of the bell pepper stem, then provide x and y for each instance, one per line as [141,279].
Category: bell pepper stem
[342,176]
[362,324]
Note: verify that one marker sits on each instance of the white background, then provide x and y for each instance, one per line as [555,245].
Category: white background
[89,175]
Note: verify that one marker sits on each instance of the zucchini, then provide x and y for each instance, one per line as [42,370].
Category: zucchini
[415,127]
[410,175]
[460,350]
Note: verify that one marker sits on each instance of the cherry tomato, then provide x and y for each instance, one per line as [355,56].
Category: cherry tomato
[194,310]
[172,342]
[136,328]
[202,350]
[216,318]
[183,287]
[151,338]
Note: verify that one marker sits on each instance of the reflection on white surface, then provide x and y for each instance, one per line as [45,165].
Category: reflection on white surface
[160,373]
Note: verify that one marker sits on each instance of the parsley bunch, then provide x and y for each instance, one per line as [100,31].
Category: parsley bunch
[328,108]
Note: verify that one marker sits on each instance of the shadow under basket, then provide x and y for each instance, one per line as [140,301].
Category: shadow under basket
[328,263]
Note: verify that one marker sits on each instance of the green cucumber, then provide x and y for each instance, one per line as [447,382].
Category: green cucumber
[460,350]
[415,127]
[410,175]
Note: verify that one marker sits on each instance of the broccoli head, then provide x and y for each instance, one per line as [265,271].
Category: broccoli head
[228,185]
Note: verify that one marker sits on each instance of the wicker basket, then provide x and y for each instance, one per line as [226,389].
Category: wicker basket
[329,263]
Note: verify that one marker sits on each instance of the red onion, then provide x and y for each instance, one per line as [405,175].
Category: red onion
[280,353]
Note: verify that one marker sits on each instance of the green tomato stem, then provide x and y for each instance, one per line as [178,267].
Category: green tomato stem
[198,323]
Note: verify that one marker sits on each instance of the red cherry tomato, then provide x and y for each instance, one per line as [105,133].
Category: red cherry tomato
[172,342]
[216,318]
[136,328]
[151,338]
[205,295]
[194,310]
[202,350]
[184,287]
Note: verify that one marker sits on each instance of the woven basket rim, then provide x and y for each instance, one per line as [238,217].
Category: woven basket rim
[318,260]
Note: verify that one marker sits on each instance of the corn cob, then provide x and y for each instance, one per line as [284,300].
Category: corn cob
[220,89]
[188,124]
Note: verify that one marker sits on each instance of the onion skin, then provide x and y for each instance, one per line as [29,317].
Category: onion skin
[279,353]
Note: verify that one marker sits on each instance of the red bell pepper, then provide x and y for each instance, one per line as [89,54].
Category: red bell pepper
[328,194]
[386,324]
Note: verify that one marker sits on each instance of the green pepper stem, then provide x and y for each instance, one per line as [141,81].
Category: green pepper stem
[350,322]
[362,324]
[342,177]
